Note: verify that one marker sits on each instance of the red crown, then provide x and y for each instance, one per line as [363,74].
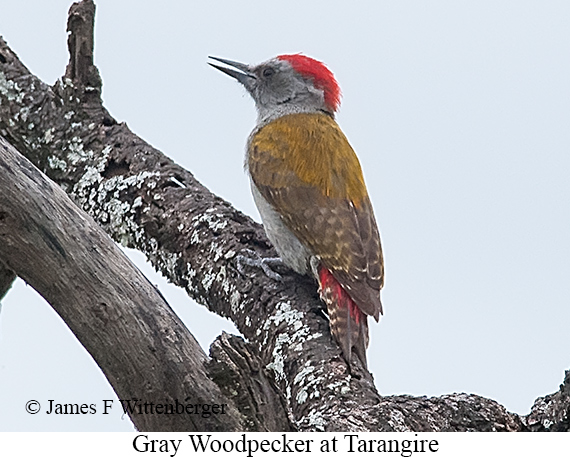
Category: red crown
[321,76]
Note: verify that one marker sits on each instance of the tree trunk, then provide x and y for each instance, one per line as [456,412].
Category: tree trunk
[289,374]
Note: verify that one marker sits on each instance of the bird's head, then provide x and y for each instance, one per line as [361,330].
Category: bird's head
[291,83]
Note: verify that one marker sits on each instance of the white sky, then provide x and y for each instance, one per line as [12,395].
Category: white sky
[460,114]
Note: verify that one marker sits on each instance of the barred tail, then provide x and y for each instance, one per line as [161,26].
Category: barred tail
[349,325]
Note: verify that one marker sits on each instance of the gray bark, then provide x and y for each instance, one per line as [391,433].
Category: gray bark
[145,201]
[7,278]
[116,313]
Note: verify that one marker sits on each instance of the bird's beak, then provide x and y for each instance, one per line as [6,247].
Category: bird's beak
[244,75]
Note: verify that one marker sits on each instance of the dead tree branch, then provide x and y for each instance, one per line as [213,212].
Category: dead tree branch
[113,310]
[7,278]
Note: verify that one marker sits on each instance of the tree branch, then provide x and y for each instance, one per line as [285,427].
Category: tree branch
[121,319]
[241,375]
[551,413]
[145,201]
[7,278]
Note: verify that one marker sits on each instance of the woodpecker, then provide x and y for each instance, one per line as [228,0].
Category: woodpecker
[309,189]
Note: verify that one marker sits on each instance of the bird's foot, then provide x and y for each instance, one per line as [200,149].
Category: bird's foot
[253,259]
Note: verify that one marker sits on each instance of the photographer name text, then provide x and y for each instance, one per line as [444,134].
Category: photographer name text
[131,406]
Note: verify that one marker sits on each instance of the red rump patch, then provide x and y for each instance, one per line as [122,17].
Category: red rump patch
[317,71]
[328,281]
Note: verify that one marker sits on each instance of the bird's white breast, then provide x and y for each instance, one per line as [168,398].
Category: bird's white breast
[292,252]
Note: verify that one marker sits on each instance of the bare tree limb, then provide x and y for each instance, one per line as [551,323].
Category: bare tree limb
[7,278]
[121,319]
[144,200]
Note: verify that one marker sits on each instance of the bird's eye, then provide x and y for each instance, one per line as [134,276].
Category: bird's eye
[268,72]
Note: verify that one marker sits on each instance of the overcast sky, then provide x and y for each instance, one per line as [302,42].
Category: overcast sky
[460,114]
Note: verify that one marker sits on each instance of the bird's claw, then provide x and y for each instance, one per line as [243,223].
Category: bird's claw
[253,259]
